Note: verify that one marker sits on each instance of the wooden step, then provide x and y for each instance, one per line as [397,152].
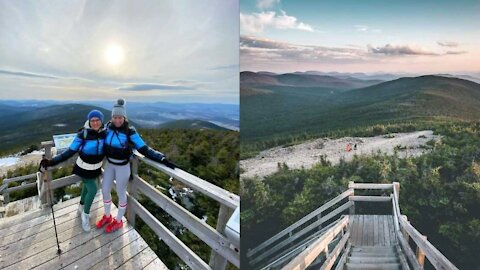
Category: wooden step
[373,248]
[373,266]
[373,254]
[373,260]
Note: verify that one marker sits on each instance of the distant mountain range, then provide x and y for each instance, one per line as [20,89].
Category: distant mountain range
[252,79]
[24,126]
[29,122]
[273,109]
[151,114]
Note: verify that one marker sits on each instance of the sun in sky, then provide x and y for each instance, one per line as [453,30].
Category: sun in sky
[114,54]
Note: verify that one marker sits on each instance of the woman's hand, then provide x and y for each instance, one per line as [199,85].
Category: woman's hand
[44,164]
[168,163]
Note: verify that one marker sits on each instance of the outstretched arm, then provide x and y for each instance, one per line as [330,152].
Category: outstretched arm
[147,151]
[73,148]
[151,154]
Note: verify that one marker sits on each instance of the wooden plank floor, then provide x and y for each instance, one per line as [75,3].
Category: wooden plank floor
[28,242]
[372,230]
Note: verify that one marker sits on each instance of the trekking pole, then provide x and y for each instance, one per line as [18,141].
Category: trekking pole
[45,179]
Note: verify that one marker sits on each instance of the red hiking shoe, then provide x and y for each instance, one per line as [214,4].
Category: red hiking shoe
[104,221]
[113,226]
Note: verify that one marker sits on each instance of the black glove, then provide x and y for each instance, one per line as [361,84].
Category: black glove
[168,164]
[44,165]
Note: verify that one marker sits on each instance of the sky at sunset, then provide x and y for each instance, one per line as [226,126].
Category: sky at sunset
[421,37]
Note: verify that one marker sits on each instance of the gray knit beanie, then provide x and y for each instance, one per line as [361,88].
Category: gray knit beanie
[119,108]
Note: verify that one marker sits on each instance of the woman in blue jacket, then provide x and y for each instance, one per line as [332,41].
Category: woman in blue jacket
[120,140]
[89,144]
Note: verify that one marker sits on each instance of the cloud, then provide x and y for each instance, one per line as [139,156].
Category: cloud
[455,52]
[266,4]
[390,49]
[257,22]
[27,74]
[69,42]
[151,86]
[399,50]
[261,49]
[258,53]
[450,44]
[366,29]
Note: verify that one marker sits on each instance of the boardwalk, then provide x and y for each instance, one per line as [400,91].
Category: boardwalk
[28,242]
[372,230]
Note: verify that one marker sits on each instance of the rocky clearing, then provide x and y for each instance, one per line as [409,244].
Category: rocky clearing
[309,153]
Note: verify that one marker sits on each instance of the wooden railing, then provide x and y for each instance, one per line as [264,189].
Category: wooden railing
[5,190]
[301,231]
[311,253]
[406,231]
[223,249]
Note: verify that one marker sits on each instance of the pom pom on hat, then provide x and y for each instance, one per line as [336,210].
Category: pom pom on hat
[119,108]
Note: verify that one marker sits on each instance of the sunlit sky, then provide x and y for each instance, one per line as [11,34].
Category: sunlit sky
[360,36]
[170,50]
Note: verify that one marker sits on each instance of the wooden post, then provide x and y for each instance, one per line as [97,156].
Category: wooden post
[319,216]
[352,208]
[420,254]
[404,232]
[397,187]
[48,155]
[132,190]
[2,209]
[6,197]
[217,262]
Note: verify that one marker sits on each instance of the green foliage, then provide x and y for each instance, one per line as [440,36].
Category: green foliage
[289,115]
[439,192]
[208,154]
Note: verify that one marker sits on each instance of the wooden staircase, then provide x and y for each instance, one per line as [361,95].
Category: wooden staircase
[373,243]
[373,258]
[334,236]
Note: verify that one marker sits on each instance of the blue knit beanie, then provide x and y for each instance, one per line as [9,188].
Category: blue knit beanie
[95,113]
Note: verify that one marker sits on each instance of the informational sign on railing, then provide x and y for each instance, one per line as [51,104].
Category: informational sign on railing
[232,229]
[63,141]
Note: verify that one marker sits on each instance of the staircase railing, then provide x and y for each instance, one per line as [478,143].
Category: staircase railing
[406,231]
[301,231]
[311,253]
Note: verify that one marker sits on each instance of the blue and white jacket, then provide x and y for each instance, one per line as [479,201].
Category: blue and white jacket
[120,142]
[90,146]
